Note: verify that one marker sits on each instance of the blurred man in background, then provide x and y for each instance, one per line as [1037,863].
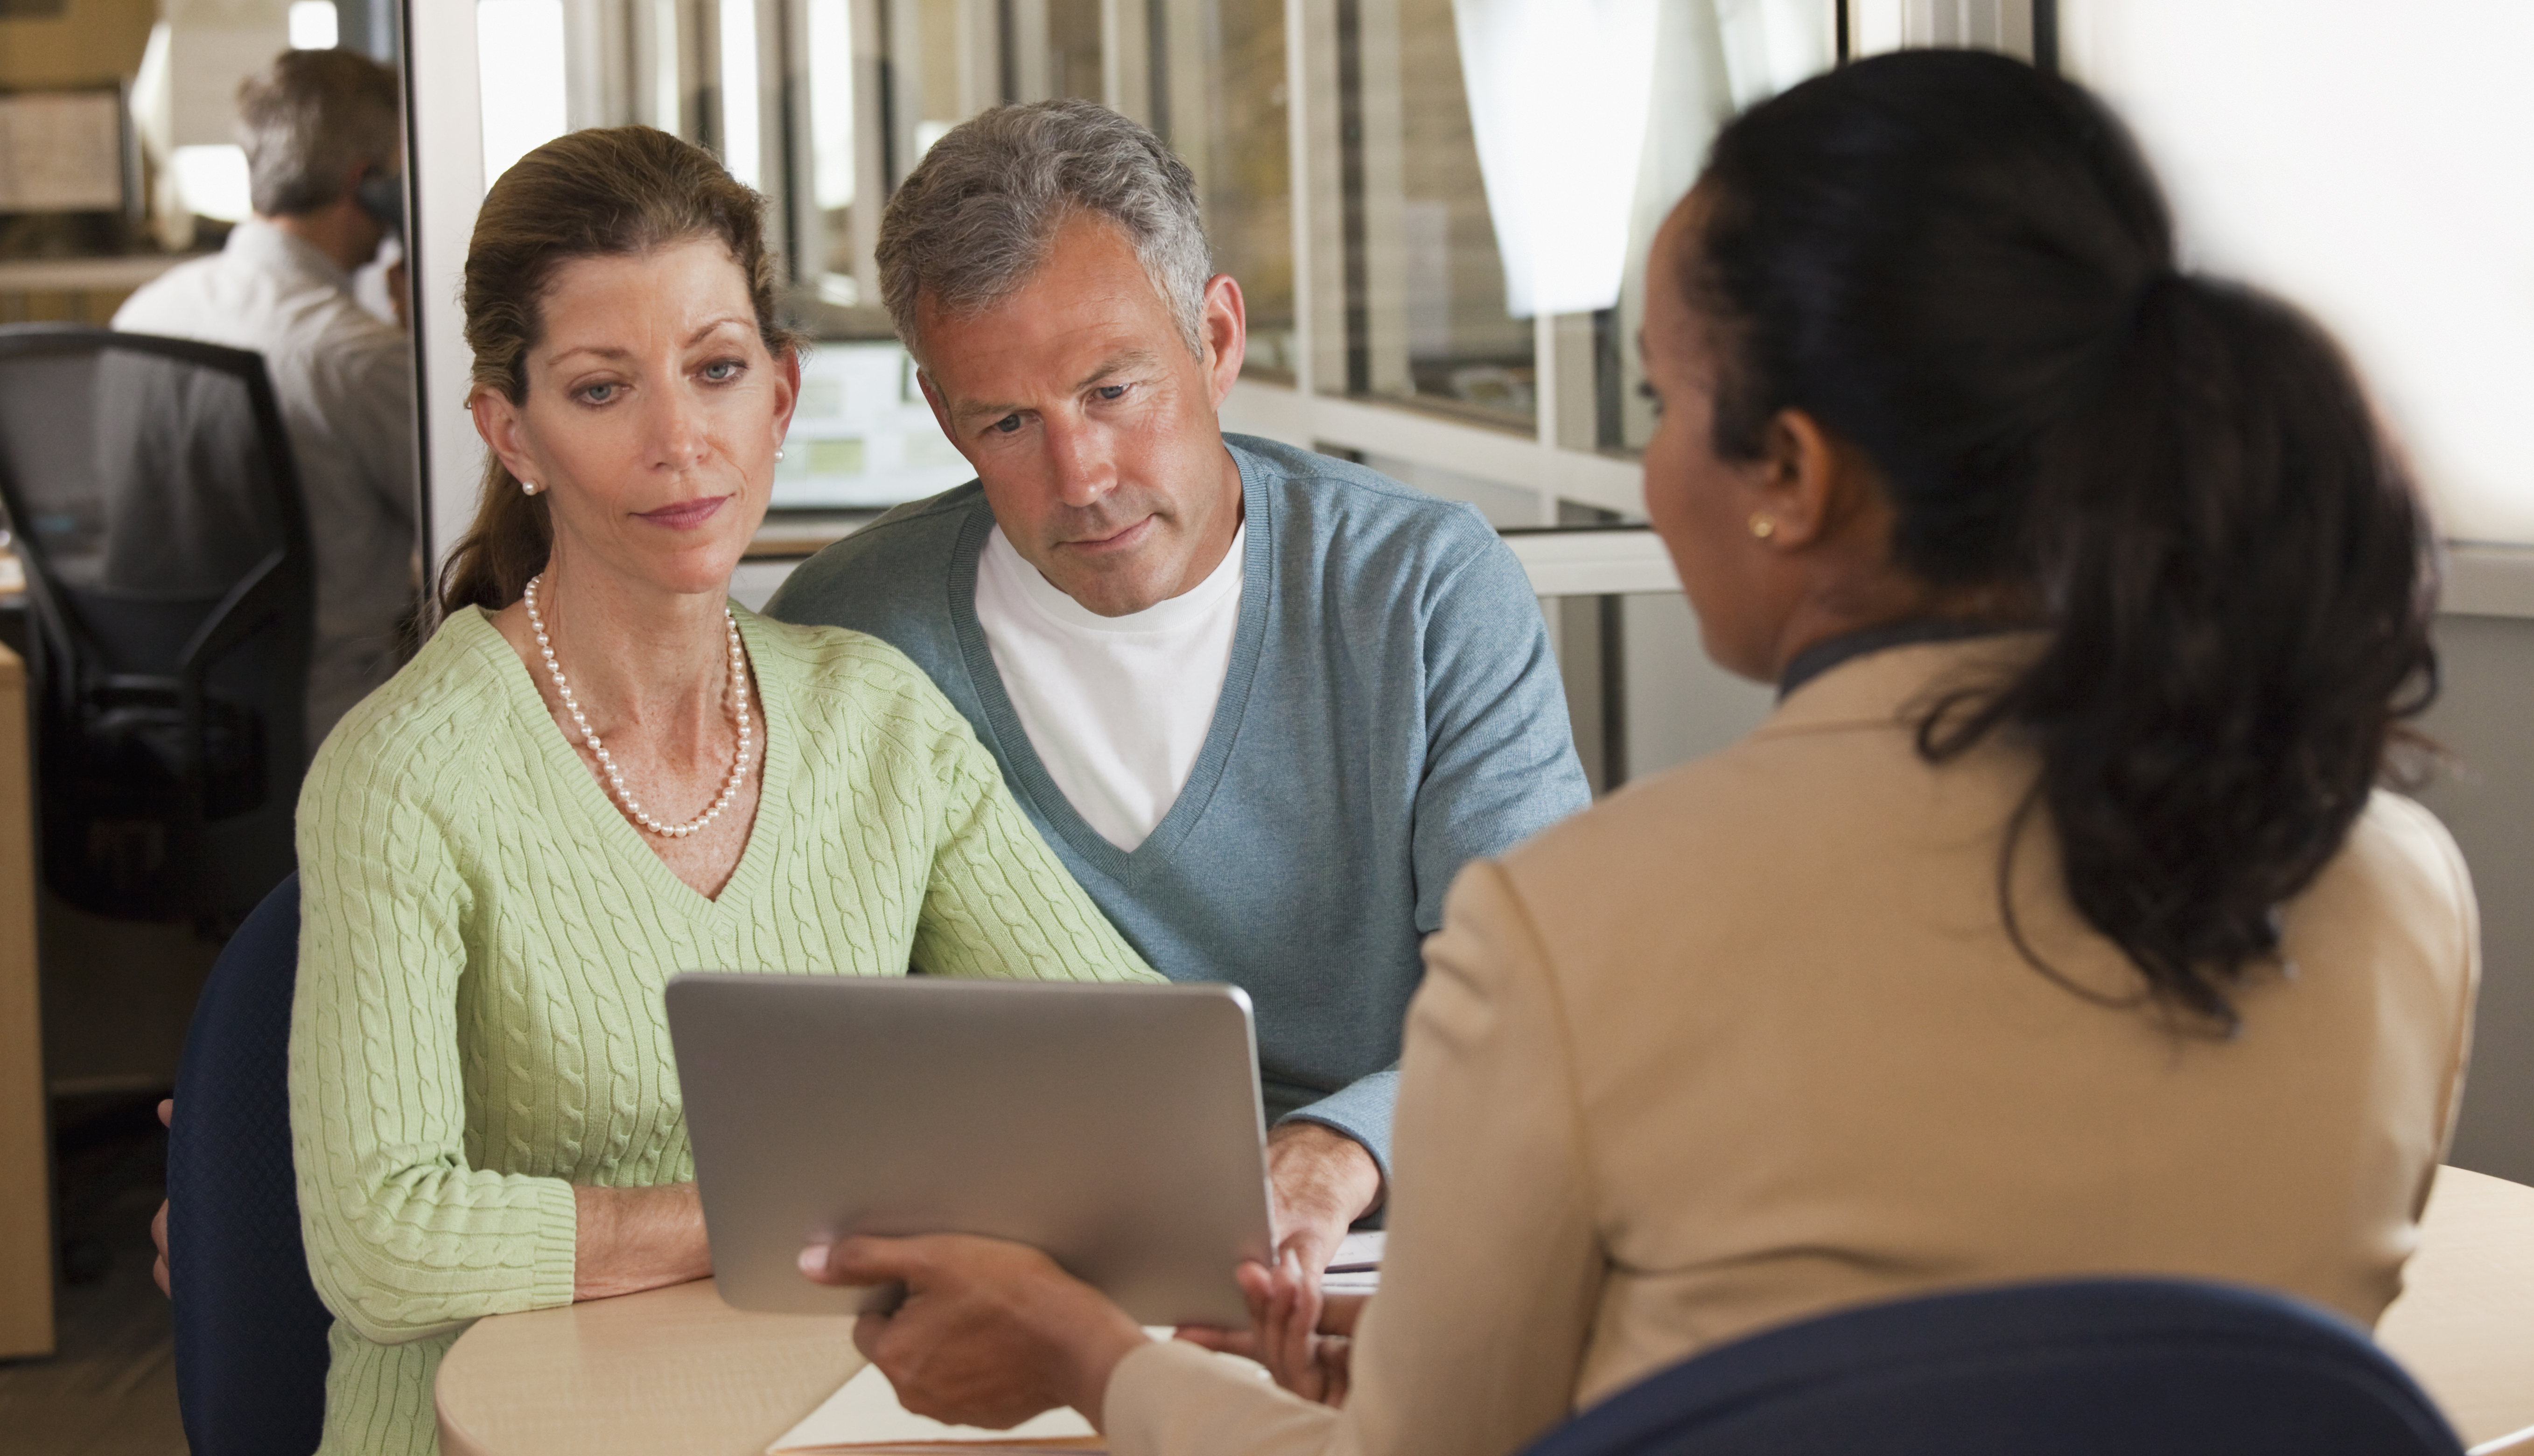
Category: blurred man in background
[321,133]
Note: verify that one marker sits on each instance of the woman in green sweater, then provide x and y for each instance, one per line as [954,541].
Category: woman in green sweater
[598,773]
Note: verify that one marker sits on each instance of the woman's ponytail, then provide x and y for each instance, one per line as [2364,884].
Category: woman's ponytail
[2240,584]
[1964,268]
[508,543]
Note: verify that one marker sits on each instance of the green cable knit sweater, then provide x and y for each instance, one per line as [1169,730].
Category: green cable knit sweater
[484,939]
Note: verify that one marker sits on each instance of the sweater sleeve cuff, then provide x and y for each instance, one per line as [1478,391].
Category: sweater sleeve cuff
[1173,1397]
[558,1245]
[1362,1111]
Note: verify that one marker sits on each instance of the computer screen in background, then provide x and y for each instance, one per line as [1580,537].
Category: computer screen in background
[863,438]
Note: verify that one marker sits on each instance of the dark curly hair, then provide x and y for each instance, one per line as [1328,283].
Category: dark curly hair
[1962,266]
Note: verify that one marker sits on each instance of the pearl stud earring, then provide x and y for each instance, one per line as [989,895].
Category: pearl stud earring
[527,487]
[1763,527]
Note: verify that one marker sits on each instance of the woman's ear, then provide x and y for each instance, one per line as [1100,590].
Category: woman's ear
[496,421]
[1803,482]
[787,376]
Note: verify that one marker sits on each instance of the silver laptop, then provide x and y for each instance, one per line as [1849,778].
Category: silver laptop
[1118,1127]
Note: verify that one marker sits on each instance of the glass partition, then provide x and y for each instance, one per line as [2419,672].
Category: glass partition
[1354,210]
[1411,258]
[1218,98]
[1714,60]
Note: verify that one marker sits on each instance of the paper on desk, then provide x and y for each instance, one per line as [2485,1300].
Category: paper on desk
[1359,1252]
[864,1416]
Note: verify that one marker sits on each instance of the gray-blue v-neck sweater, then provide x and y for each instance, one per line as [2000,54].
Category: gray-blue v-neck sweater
[1392,711]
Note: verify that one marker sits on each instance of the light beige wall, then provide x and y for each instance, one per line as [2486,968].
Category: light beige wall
[2485,718]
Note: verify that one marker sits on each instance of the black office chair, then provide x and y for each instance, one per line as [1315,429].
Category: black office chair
[249,1333]
[153,499]
[2093,1367]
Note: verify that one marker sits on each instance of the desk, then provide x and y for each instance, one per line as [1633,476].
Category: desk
[676,1372]
[673,1371]
[25,1192]
[2465,1326]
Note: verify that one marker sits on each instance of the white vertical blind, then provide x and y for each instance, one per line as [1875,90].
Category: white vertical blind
[520,60]
[742,132]
[1557,103]
[831,102]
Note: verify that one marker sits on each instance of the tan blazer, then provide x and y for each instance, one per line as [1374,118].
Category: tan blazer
[1747,1042]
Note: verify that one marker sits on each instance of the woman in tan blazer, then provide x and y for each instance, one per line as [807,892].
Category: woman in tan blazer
[2052,927]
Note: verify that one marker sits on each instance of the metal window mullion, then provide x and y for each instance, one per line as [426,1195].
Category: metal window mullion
[1300,104]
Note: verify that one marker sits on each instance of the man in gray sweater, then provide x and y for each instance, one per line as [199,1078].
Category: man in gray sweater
[1263,704]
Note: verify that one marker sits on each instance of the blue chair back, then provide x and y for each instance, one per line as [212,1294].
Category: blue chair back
[2092,1368]
[249,1333]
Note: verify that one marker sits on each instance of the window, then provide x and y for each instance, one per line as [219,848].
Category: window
[1220,98]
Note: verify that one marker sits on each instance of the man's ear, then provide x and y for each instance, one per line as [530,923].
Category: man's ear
[941,409]
[942,413]
[1226,332]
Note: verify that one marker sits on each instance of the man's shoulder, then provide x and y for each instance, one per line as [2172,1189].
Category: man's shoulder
[1355,523]
[172,303]
[889,577]
[296,323]
[1351,507]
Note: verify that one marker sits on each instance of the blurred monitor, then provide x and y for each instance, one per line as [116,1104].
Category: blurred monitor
[863,438]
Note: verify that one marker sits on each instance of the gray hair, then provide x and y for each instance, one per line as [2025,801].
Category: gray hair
[978,215]
[306,120]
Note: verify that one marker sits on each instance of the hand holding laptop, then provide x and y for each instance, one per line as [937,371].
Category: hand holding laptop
[990,1333]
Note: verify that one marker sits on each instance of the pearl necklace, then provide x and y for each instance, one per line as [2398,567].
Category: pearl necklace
[598,751]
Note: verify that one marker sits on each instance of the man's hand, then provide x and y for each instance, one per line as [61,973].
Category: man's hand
[1322,1180]
[158,1223]
[990,1333]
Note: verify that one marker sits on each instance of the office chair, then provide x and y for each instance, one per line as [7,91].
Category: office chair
[2090,1368]
[153,499]
[249,1333]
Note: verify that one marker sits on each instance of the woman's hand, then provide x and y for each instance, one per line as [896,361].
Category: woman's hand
[1306,1342]
[158,1223]
[630,1239]
[990,1333]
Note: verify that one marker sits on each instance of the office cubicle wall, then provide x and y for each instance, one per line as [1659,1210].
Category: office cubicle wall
[26,1194]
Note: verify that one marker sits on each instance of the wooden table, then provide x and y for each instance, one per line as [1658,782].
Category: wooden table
[2465,1326]
[674,1371]
[677,1373]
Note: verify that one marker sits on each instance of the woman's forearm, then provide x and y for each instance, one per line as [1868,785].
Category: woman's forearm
[631,1239]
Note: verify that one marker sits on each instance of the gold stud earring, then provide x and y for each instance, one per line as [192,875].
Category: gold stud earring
[1763,527]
